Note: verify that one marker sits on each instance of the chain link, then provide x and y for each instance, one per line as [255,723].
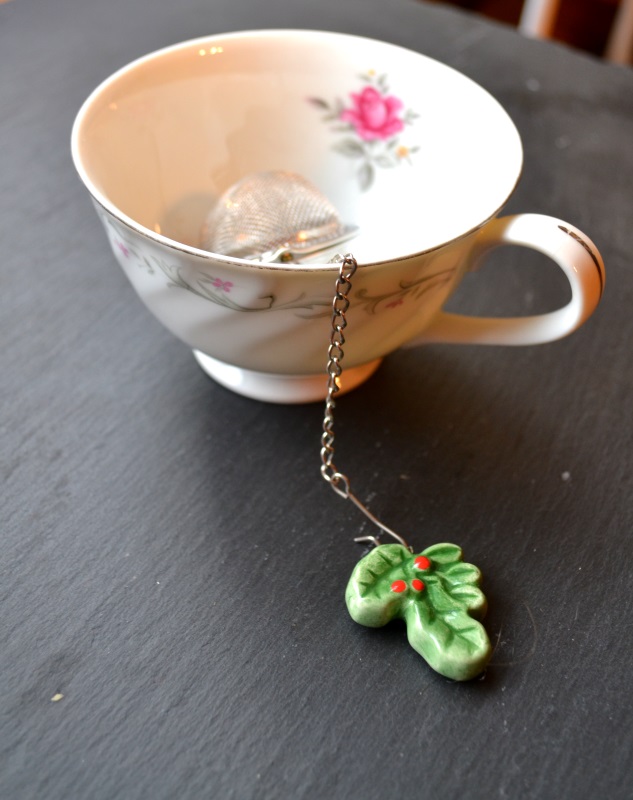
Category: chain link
[340,306]
[338,480]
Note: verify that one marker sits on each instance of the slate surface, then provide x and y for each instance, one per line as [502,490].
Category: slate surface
[172,563]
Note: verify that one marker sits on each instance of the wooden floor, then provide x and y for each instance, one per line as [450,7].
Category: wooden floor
[584,24]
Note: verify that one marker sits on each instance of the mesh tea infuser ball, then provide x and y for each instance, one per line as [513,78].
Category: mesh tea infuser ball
[273,216]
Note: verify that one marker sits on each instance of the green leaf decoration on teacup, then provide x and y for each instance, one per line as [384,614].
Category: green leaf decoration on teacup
[435,593]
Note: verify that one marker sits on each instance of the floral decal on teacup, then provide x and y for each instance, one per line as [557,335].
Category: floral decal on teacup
[225,286]
[217,289]
[375,118]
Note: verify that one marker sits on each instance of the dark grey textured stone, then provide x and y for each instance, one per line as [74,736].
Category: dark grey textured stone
[171,562]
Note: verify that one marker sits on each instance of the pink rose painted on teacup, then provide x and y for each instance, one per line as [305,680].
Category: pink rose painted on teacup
[376,118]
[374,115]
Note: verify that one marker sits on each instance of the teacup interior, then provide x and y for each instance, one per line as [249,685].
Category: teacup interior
[407,149]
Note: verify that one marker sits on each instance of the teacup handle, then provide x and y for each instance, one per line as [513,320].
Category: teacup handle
[574,253]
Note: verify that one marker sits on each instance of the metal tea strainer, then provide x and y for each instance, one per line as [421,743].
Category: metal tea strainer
[279,216]
[273,216]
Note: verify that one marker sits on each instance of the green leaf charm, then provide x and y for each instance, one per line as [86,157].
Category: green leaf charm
[435,593]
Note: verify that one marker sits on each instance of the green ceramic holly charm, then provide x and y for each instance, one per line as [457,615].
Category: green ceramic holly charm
[435,593]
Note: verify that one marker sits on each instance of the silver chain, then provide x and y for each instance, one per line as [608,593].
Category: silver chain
[340,306]
[338,480]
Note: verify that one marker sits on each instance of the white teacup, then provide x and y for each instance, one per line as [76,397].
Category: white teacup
[416,155]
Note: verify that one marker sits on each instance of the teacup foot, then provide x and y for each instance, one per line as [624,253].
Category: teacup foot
[274,388]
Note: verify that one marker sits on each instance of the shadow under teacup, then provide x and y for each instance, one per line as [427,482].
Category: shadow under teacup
[414,154]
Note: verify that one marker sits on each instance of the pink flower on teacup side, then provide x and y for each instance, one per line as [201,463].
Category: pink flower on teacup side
[395,303]
[374,115]
[123,249]
[376,118]
[225,286]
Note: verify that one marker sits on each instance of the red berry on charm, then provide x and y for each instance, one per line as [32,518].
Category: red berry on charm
[398,586]
[417,584]
[422,562]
